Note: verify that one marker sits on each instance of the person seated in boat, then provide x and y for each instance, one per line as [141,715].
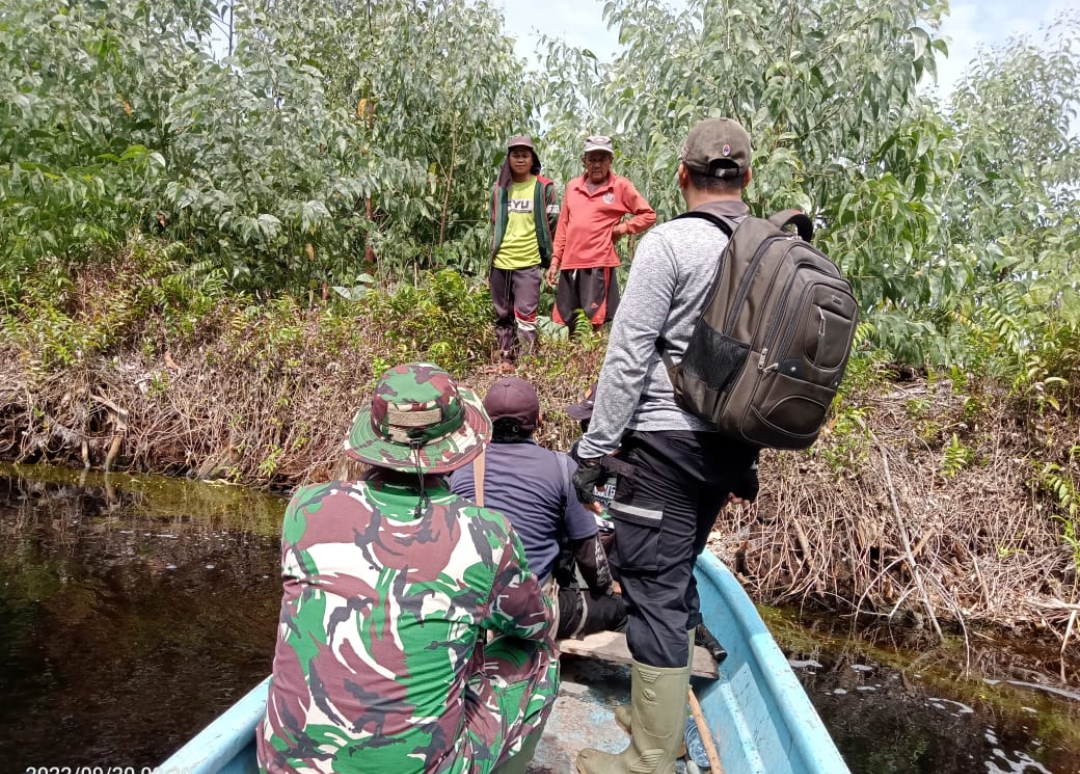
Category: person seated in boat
[413,637]
[532,486]
[604,491]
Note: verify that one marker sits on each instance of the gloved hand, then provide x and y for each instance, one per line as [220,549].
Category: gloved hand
[586,477]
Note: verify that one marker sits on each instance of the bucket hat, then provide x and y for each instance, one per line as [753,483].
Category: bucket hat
[420,419]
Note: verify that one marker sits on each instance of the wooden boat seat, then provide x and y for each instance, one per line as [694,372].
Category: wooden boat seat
[611,647]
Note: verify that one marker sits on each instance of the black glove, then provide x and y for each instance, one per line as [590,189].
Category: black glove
[586,477]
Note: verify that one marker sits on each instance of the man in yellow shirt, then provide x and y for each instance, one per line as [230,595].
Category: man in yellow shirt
[524,212]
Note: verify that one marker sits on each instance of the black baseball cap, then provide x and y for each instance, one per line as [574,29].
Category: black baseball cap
[582,411]
[513,398]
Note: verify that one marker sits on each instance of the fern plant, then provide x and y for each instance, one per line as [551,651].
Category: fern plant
[1060,483]
[957,457]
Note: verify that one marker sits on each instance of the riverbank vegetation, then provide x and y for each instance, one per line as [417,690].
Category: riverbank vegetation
[218,225]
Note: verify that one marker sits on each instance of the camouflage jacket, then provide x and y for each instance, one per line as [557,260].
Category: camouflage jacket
[380,620]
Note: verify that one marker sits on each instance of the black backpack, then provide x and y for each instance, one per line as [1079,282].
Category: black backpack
[768,353]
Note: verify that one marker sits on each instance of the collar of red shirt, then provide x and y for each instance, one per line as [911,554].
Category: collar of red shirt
[584,184]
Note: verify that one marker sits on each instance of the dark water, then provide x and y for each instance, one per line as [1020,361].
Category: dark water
[130,614]
[134,610]
[892,711]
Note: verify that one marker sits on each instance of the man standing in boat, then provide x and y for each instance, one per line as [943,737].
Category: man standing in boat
[392,587]
[683,473]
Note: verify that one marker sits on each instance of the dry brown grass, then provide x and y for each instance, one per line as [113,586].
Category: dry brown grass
[890,535]
[871,521]
[216,409]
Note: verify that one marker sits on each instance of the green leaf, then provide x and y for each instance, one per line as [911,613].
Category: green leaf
[921,40]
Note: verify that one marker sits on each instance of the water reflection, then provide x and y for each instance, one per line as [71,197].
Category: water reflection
[135,610]
[894,711]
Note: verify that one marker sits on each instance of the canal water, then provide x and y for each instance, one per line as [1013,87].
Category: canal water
[133,610]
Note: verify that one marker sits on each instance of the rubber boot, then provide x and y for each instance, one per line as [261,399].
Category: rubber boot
[658,704]
[520,762]
[625,718]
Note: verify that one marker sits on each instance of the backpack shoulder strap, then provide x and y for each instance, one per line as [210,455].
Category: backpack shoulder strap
[478,479]
[564,465]
[726,225]
[800,220]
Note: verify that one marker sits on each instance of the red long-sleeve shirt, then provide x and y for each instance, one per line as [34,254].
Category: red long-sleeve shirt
[583,239]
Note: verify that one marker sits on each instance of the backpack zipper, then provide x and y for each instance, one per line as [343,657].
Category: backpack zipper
[744,284]
[783,297]
[774,321]
[789,333]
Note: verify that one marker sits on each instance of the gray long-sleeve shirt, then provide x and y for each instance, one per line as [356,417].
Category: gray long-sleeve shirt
[669,280]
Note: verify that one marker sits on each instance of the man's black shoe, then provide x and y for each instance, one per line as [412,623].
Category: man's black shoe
[705,639]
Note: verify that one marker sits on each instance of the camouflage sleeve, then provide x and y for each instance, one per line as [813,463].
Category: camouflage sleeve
[517,607]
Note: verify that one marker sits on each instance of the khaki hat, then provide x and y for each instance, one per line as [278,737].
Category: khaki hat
[718,147]
[519,141]
[599,142]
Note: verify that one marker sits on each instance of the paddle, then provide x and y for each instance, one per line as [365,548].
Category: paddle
[705,734]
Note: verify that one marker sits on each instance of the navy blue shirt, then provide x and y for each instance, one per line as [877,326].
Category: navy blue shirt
[525,482]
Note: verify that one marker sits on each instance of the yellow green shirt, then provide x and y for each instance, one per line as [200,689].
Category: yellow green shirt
[519,248]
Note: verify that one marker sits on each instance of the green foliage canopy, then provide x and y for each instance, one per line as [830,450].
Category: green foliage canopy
[324,135]
[329,131]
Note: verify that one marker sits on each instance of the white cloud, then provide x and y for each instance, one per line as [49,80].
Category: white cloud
[971,26]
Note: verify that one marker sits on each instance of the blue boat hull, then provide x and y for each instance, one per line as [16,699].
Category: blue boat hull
[759,714]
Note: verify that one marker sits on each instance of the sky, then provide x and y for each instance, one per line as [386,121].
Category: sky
[969,25]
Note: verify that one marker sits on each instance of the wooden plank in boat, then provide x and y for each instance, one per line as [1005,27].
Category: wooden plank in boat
[611,647]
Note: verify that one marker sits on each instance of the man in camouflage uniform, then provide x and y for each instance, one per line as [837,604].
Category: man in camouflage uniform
[391,585]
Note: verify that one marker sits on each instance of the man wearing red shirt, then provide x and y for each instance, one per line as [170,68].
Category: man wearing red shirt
[584,258]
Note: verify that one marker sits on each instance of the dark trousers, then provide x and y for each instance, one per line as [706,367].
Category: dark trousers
[663,514]
[583,612]
[515,293]
[594,291]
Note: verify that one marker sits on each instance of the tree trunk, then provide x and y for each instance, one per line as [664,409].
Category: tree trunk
[449,185]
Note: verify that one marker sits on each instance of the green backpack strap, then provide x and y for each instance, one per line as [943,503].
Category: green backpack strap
[800,220]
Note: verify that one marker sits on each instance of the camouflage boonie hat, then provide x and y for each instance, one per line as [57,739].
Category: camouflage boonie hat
[419,418]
